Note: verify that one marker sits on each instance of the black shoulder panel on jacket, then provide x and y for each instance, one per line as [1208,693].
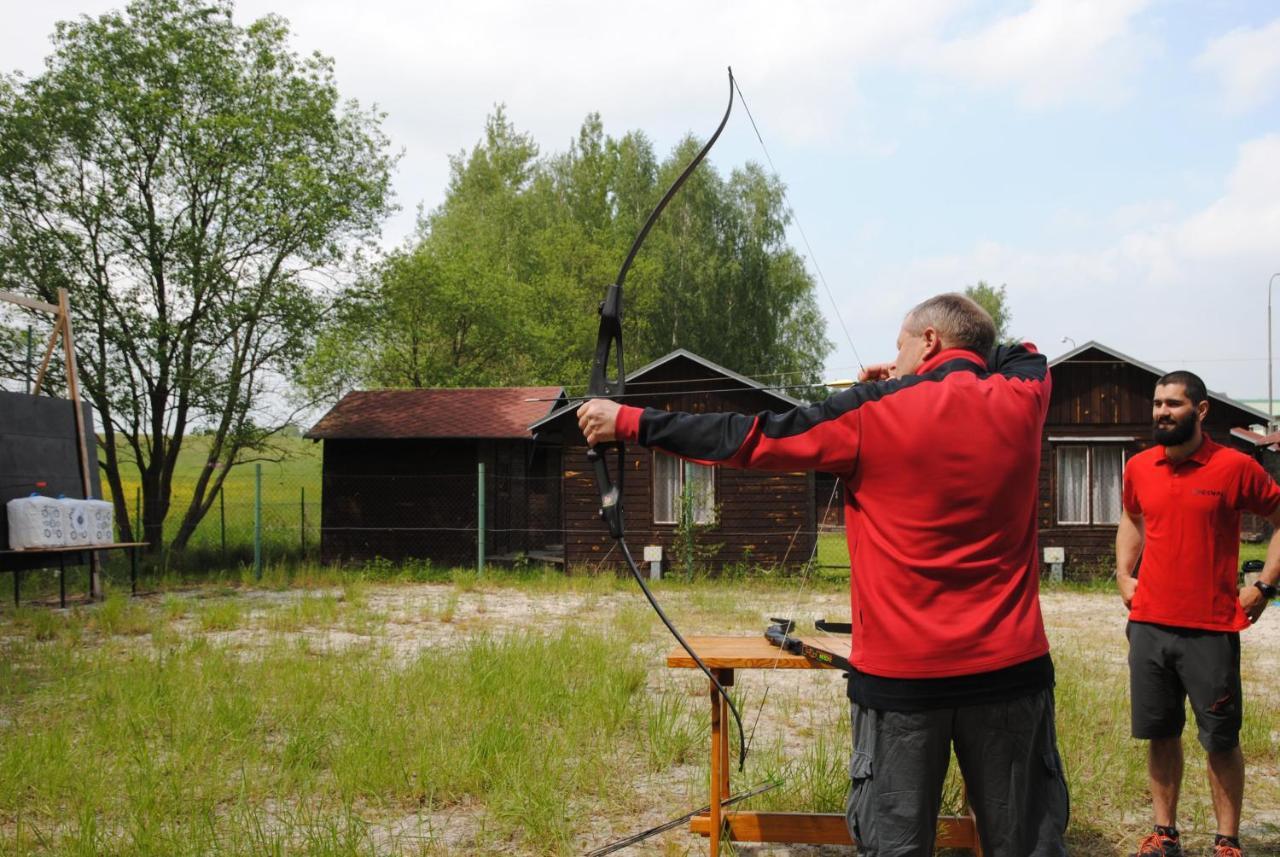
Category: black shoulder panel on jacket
[717,437]
[1015,361]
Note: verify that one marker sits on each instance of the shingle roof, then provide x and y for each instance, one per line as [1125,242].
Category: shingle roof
[1221,397]
[490,412]
[785,402]
[1270,441]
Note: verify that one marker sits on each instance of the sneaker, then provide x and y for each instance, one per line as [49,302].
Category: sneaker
[1223,849]
[1159,845]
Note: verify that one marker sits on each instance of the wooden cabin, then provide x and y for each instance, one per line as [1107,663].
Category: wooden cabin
[1099,416]
[746,517]
[401,476]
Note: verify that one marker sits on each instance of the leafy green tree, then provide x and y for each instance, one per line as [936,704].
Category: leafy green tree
[501,283]
[995,300]
[455,305]
[182,175]
[725,283]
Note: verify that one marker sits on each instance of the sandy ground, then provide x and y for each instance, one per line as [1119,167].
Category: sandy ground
[421,619]
[1090,622]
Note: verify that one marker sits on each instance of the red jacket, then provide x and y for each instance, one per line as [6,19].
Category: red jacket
[940,470]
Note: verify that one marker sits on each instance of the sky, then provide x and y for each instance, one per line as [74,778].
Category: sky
[1115,164]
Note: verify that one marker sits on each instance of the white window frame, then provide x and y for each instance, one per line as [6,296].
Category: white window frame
[1089,444]
[681,468]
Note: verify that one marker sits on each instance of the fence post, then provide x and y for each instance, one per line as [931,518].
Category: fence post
[137,514]
[257,521]
[30,356]
[222,519]
[304,522]
[480,517]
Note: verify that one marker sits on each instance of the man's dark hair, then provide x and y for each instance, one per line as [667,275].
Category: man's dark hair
[1190,382]
[959,320]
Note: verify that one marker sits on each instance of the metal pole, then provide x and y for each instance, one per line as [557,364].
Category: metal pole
[480,517]
[304,521]
[257,521]
[1270,406]
[137,514]
[222,518]
[30,357]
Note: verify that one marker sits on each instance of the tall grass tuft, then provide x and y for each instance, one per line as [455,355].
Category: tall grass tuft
[118,614]
[197,749]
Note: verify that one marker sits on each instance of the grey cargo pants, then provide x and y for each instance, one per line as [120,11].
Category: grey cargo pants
[1008,754]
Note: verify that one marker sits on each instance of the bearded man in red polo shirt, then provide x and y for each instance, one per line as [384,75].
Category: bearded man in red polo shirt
[1181,513]
[939,454]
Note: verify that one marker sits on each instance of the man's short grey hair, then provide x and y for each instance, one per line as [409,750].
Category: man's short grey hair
[959,321]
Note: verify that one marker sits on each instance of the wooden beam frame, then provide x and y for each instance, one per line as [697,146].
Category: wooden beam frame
[48,353]
[29,303]
[62,327]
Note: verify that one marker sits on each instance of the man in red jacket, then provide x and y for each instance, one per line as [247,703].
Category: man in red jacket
[939,453]
[1181,513]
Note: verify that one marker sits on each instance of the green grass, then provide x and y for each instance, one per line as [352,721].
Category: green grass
[284,484]
[316,714]
[186,747]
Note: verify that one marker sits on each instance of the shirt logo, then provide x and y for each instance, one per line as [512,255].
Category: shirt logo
[1207,492]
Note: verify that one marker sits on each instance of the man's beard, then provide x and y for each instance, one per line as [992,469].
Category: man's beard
[1172,432]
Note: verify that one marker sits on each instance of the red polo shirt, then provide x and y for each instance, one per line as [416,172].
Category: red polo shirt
[1191,516]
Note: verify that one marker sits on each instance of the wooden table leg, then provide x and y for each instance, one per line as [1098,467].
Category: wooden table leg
[973,819]
[720,729]
[717,738]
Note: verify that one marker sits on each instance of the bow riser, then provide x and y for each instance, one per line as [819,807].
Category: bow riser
[609,344]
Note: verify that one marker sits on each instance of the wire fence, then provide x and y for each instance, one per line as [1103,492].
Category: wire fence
[488,516]
[282,524]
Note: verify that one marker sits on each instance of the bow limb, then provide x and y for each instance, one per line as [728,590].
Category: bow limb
[608,379]
[671,191]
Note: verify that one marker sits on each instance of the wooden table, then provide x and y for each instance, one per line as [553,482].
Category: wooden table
[722,656]
[63,553]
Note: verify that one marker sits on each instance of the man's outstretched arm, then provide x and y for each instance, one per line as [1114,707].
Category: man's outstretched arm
[822,436]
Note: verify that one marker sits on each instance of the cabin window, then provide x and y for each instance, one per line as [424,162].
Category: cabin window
[670,478]
[1089,479]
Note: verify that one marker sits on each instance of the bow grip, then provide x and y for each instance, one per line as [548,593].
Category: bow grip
[609,351]
[610,492]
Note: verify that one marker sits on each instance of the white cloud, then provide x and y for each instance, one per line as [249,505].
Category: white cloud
[1053,51]
[1244,224]
[1247,64]
[1184,291]
[438,68]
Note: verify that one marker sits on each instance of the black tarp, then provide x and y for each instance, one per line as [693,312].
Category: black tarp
[38,444]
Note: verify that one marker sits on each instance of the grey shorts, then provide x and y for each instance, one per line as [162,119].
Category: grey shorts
[1008,754]
[1168,666]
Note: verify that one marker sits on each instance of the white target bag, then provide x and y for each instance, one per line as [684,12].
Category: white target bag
[75,521]
[36,522]
[102,518]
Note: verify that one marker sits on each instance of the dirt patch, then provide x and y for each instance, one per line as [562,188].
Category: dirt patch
[783,709]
